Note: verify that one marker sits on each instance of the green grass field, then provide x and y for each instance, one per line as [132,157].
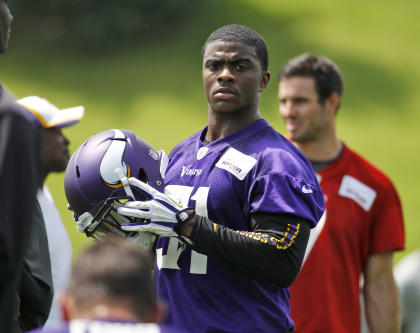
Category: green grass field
[155,88]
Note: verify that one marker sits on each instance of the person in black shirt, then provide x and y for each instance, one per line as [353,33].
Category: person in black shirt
[19,178]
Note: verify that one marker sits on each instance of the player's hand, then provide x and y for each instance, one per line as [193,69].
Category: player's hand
[164,215]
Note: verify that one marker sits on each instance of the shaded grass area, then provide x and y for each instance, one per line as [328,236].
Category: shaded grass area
[155,88]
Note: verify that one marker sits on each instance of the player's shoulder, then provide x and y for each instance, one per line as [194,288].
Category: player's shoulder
[274,149]
[19,118]
[366,170]
[263,139]
[8,105]
[92,326]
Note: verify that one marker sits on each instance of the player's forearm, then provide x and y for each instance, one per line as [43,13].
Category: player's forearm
[382,313]
[381,298]
[256,255]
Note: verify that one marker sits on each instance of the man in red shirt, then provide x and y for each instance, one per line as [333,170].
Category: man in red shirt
[362,225]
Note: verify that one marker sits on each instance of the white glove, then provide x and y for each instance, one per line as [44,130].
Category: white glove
[163,214]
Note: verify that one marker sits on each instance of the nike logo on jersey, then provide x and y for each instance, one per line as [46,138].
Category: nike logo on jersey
[237,163]
[187,171]
[354,189]
[306,189]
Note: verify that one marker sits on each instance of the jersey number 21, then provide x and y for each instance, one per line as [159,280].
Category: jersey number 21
[198,264]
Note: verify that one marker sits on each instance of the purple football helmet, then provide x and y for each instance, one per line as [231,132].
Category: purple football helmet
[95,175]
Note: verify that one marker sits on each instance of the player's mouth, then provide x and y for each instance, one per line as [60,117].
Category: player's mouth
[225,93]
[292,126]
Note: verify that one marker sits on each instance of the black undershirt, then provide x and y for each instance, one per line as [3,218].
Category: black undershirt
[320,165]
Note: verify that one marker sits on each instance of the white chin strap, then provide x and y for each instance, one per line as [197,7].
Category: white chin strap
[125,183]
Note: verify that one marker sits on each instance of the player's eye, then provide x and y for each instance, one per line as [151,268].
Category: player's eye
[300,100]
[241,67]
[213,66]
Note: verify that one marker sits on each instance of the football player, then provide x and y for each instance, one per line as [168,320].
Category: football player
[363,223]
[239,203]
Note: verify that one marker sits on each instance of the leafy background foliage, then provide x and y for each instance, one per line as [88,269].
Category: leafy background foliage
[98,25]
[137,65]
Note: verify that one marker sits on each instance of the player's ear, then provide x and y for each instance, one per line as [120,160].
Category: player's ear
[333,102]
[265,78]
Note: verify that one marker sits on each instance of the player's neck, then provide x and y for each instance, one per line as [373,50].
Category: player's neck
[106,311]
[224,124]
[324,149]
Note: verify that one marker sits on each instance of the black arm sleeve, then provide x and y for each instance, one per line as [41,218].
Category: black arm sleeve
[272,252]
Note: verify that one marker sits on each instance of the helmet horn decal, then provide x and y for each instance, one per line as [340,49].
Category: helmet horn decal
[113,159]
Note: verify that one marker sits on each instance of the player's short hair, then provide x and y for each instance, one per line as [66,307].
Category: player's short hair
[113,271]
[236,33]
[324,71]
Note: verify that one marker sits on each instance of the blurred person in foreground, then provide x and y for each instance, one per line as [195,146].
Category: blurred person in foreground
[407,275]
[111,290]
[47,260]
[239,203]
[19,179]
[362,225]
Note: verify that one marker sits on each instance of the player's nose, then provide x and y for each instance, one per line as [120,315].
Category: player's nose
[225,75]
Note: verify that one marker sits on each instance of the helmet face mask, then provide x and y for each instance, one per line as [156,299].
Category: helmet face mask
[93,181]
[106,220]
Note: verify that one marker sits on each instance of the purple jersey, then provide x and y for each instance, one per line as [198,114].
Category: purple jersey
[102,326]
[253,170]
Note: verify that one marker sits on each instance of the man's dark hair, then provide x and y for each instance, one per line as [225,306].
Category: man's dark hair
[236,33]
[325,73]
[113,270]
